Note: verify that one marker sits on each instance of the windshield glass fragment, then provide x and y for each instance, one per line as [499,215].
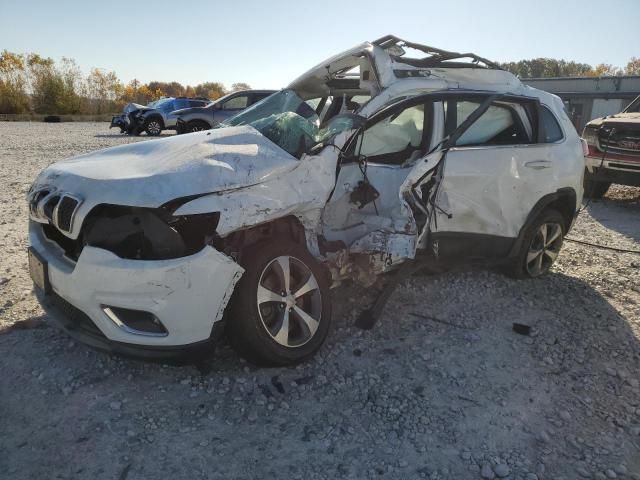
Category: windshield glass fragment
[292,123]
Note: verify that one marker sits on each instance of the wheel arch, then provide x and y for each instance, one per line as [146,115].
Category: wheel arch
[563,200]
[288,227]
[199,120]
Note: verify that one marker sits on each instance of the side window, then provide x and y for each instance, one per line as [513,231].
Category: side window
[499,125]
[197,103]
[396,138]
[180,103]
[168,106]
[236,103]
[552,131]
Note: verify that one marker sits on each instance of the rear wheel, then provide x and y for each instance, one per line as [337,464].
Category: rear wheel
[540,247]
[153,127]
[594,188]
[281,310]
[197,126]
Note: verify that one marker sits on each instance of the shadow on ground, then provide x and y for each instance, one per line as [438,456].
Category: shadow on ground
[620,214]
[405,400]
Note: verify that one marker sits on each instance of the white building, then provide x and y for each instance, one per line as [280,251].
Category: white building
[587,98]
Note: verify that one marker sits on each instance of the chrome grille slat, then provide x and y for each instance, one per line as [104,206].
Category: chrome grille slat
[48,205]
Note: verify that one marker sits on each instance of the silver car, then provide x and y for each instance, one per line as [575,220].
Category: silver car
[196,119]
[158,118]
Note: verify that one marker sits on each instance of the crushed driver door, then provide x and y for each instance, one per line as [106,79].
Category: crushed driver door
[368,215]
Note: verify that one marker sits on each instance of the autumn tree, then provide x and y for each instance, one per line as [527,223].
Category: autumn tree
[13,83]
[51,92]
[633,67]
[604,70]
[211,90]
[102,90]
[168,89]
[236,87]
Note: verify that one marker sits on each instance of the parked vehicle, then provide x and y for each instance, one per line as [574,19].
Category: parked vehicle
[614,151]
[122,121]
[196,119]
[375,157]
[155,117]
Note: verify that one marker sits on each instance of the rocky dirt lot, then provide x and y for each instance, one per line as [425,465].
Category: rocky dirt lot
[457,395]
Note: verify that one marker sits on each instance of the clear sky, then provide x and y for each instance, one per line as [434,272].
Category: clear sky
[268,43]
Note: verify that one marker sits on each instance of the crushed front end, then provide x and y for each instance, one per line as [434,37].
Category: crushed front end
[135,281]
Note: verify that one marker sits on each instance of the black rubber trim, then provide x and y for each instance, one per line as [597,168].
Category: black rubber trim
[562,193]
[462,246]
[80,327]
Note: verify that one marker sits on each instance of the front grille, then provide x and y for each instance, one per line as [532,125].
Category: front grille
[72,248]
[66,209]
[50,206]
[624,141]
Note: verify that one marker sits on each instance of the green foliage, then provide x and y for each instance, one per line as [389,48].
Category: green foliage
[546,67]
[210,90]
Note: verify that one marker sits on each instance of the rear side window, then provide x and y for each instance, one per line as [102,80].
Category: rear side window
[499,125]
[236,103]
[551,128]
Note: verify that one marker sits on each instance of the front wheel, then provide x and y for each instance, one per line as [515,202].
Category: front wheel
[281,310]
[153,127]
[540,246]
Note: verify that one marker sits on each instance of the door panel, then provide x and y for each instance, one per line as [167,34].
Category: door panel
[490,190]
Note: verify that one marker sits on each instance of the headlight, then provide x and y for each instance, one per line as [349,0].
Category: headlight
[148,233]
[590,135]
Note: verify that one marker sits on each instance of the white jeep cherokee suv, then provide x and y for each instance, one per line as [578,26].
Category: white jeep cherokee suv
[387,153]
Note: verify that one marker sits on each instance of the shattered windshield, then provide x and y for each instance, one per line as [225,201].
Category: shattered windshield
[291,123]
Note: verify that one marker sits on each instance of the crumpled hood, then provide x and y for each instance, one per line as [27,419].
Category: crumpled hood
[134,106]
[151,173]
[631,117]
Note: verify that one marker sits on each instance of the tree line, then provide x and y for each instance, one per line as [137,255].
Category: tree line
[32,83]
[551,67]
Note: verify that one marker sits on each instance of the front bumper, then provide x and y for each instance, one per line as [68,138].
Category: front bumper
[118,121]
[187,295]
[616,169]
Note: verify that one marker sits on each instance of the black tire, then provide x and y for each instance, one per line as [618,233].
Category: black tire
[251,331]
[522,265]
[197,126]
[594,188]
[153,126]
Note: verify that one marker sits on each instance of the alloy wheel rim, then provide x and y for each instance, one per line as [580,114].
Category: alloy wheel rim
[544,248]
[289,301]
[154,127]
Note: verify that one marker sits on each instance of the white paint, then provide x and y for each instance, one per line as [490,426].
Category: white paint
[249,180]
[186,294]
[149,174]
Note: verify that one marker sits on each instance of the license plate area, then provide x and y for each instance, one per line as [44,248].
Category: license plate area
[39,271]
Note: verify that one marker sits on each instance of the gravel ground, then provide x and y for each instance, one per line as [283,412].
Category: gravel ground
[456,395]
